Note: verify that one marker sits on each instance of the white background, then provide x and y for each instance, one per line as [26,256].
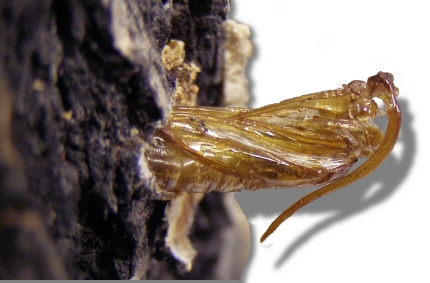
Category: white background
[376,230]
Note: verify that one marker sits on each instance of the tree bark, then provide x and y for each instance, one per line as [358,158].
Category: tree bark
[81,86]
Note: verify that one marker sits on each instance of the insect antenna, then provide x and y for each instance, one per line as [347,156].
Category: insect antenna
[380,86]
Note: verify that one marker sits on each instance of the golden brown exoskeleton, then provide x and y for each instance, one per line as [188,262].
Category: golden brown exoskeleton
[304,141]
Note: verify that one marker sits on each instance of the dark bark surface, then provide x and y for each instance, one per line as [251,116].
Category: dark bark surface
[76,78]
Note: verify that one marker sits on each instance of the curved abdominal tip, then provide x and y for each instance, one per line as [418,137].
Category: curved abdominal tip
[380,86]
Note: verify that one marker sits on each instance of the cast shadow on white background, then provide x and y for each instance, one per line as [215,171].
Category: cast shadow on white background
[345,203]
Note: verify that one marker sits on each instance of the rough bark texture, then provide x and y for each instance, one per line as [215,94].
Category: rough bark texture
[77,79]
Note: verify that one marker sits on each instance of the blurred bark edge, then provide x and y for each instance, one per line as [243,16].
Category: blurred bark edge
[81,86]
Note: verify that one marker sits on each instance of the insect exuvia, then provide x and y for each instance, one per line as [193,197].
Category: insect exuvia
[304,141]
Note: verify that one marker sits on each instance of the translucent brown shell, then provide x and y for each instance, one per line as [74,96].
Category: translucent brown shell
[304,141]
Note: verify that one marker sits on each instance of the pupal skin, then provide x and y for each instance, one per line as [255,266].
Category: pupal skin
[304,141]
